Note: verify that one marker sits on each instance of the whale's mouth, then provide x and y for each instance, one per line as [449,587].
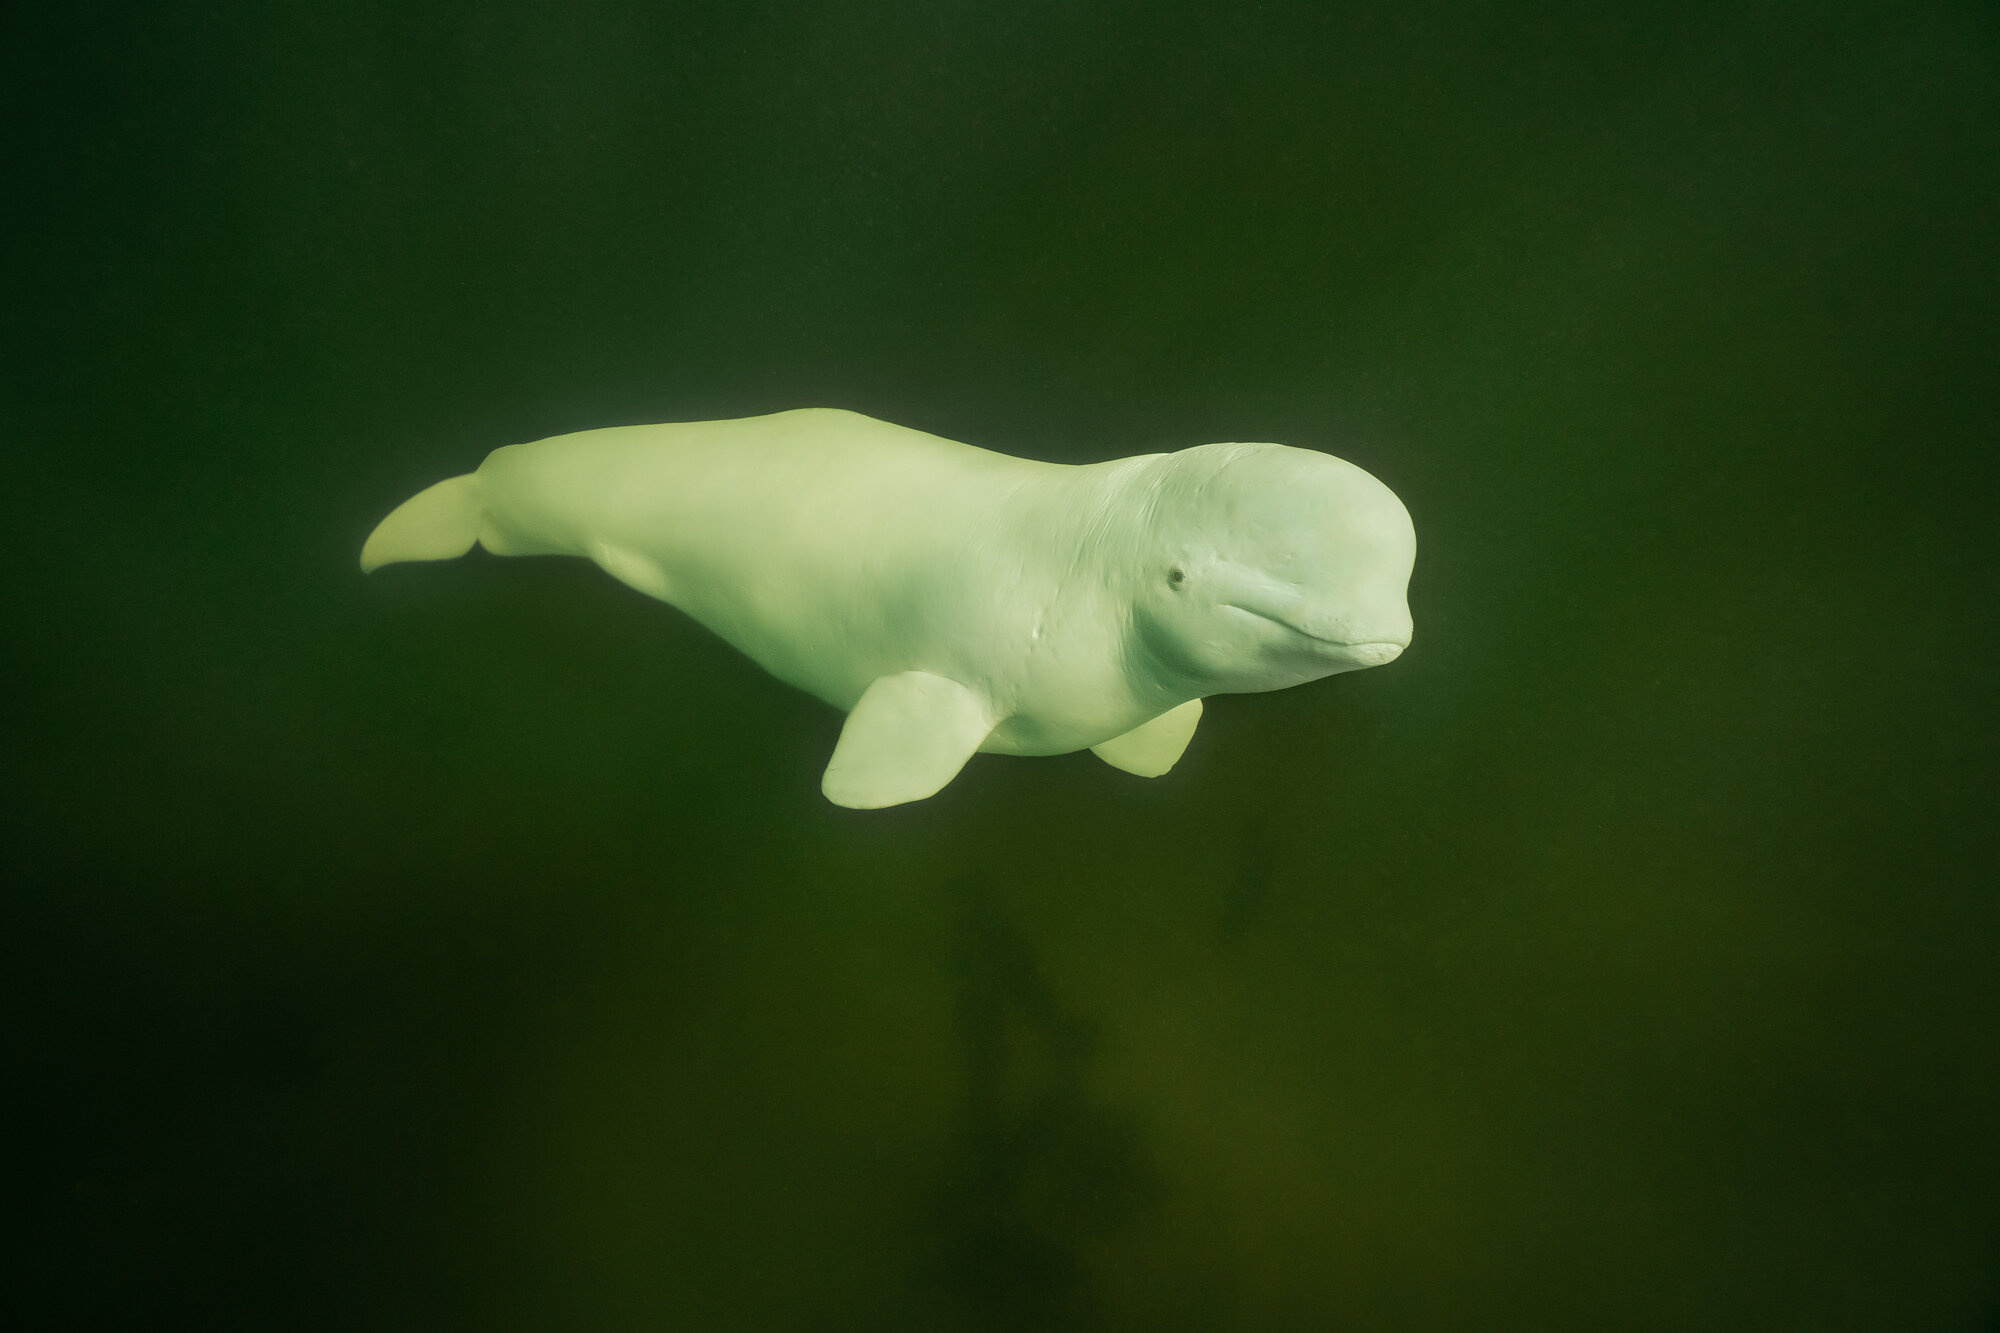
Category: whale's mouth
[1363,652]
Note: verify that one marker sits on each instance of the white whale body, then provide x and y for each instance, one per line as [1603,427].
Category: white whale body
[954,600]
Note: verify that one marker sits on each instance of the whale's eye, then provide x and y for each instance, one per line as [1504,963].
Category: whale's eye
[1177,576]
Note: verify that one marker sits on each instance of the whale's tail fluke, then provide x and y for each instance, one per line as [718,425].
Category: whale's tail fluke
[438,523]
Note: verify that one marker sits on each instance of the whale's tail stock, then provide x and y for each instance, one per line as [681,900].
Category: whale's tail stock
[440,522]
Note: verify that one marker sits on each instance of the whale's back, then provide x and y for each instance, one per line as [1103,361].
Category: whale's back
[819,542]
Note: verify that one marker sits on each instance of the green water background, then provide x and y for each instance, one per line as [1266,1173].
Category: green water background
[469,946]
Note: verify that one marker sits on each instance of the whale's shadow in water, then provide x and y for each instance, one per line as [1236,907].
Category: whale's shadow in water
[1042,1169]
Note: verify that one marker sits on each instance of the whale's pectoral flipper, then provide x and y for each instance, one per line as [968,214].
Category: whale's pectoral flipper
[1151,748]
[906,738]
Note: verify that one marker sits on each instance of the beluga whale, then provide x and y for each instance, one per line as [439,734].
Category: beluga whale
[951,599]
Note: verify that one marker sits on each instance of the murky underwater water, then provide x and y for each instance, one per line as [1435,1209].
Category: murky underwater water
[469,945]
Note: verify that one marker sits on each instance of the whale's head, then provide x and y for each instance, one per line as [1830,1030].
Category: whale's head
[1263,566]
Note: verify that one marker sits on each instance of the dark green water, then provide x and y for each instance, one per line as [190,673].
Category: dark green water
[469,946]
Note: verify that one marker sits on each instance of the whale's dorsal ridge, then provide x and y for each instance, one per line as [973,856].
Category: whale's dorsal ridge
[904,740]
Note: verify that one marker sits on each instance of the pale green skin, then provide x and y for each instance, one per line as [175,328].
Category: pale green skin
[1072,603]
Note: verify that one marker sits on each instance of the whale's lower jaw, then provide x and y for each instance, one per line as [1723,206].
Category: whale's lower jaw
[1372,654]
